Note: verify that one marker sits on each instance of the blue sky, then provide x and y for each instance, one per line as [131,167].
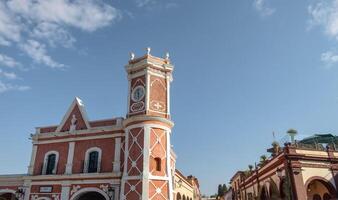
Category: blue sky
[243,69]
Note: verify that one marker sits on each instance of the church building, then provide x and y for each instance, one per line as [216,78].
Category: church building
[124,158]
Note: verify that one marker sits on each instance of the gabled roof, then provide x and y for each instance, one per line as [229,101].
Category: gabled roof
[78,110]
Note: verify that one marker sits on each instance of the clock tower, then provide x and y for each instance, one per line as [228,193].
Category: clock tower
[148,164]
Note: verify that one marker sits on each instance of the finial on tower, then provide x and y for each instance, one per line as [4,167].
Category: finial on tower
[132,55]
[167,56]
[148,50]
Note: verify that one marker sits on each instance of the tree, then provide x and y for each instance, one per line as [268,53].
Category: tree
[263,160]
[250,168]
[225,188]
[220,192]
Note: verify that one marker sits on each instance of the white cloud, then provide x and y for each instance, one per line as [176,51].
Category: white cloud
[142,3]
[8,75]
[9,28]
[5,87]
[329,58]
[8,61]
[325,14]
[4,42]
[48,21]
[33,26]
[88,15]
[155,4]
[262,7]
[38,53]
[54,34]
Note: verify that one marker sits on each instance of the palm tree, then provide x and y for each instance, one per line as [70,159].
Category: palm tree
[263,160]
[250,168]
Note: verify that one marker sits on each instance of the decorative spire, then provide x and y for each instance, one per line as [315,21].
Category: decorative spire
[292,133]
[132,55]
[148,49]
[167,56]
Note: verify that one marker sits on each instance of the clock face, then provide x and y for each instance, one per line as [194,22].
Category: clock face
[138,93]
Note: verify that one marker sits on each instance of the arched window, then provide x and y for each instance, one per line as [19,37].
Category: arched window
[158,163]
[50,163]
[92,162]
[183,197]
[178,196]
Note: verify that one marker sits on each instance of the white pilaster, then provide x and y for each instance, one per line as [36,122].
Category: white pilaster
[70,158]
[27,186]
[146,156]
[117,156]
[65,191]
[147,91]
[171,191]
[33,156]
[168,94]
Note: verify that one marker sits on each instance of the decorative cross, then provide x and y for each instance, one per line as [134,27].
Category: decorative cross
[157,105]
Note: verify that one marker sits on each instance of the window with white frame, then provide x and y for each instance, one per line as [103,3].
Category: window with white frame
[92,162]
[50,163]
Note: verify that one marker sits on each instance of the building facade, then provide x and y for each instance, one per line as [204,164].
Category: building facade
[304,170]
[127,158]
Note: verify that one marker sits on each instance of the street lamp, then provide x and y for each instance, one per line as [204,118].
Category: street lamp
[111,192]
[19,194]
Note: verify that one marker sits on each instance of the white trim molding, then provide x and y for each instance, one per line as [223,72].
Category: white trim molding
[32,162]
[86,162]
[72,139]
[86,190]
[4,191]
[65,190]
[45,162]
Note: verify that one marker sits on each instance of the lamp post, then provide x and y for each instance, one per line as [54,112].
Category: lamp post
[20,193]
[111,192]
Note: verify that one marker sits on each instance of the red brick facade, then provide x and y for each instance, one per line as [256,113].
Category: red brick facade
[116,158]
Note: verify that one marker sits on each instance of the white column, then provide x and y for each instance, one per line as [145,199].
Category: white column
[117,156]
[69,165]
[33,156]
[65,191]
[170,184]
[168,95]
[27,186]
[147,91]
[146,155]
